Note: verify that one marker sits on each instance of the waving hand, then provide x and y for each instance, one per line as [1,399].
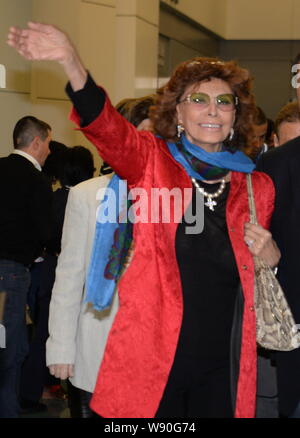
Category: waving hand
[46,42]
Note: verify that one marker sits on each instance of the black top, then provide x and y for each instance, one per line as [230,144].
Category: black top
[26,197]
[210,280]
[206,262]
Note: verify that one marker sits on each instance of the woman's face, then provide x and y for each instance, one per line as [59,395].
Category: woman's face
[206,127]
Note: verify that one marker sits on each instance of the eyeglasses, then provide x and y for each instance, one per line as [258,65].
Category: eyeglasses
[225,102]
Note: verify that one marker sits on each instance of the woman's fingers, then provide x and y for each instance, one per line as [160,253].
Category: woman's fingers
[71,370]
[256,237]
[62,371]
[40,42]
[261,244]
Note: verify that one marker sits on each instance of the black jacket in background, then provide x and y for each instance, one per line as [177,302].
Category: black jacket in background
[26,205]
[283,166]
[60,198]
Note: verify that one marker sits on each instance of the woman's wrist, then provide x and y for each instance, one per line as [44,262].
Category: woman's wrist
[74,70]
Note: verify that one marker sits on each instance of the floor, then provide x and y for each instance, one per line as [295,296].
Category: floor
[56,408]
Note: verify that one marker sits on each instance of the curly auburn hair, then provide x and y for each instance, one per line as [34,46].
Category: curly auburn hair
[193,71]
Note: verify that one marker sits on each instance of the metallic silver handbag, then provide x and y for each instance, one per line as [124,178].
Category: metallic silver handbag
[275,325]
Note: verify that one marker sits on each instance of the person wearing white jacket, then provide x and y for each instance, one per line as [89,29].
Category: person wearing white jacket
[78,332]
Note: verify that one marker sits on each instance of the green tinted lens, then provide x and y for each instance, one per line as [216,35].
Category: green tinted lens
[199,98]
[226,100]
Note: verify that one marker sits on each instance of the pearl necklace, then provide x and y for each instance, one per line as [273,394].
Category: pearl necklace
[210,196]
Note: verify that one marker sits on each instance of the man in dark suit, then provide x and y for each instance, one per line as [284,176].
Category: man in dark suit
[25,196]
[283,166]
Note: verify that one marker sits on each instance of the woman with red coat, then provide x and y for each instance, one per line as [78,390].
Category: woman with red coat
[183,343]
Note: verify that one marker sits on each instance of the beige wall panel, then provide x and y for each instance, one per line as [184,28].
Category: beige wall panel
[257,19]
[14,13]
[48,78]
[15,104]
[136,54]
[146,58]
[145,9]
[148,10]
[125,58]
[13,107]
[97,43]
[56,114]
[48,81]
[209,13]
[296,21]
[61,13]
[126,7]
[111,3]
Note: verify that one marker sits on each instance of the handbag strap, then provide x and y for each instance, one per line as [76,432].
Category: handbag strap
[253,217]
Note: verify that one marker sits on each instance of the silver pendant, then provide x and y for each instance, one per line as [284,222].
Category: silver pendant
[210,203]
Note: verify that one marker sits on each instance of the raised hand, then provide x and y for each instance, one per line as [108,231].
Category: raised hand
[41,42]
[48,43]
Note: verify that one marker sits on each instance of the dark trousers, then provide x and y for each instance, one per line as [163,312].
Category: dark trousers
[14,283]
[197,389]
[296,413]
[267,392]
[79,401]
[35,373]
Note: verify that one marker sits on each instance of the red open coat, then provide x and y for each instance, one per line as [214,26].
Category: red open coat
[142,342]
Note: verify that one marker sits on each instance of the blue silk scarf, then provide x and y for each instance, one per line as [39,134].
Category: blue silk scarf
[112,241]
[203,165]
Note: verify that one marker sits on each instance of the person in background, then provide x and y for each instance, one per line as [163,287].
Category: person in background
[287,124]
[270,134]
[183,343]
[51,169]
[78,332]
[54,161]
[105,169]
[282,164]
[257,144]
[267,392]
[25,228]
[76,164]
[137,110]
[30,382]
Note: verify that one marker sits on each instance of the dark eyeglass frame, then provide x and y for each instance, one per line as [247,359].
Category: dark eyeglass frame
[207,98]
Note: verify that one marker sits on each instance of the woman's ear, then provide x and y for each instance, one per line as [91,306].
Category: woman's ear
[178,112]
[276,141]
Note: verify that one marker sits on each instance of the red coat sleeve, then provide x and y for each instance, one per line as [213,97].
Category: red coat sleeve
[118,142]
